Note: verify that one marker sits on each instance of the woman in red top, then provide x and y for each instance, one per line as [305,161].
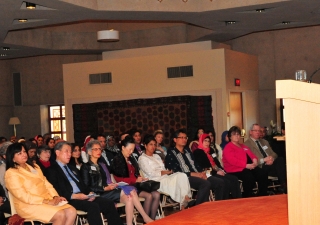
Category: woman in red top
[125,168]
[241,162]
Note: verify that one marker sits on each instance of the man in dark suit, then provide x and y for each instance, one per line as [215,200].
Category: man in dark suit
[67,181]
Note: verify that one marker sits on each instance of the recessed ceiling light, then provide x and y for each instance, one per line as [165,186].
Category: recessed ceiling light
[230,22]
[285,22]
[3,55]
[6,48]
[260,10]
[23,20]
[30,5]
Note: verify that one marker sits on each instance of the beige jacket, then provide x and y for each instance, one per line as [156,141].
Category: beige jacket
[255,149]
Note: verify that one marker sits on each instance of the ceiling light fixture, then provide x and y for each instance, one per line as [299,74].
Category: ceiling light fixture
[30,5]
[260,10]
[108,35]
[230,22]
[6,48]
[3,55]
[23,20]
[285,22]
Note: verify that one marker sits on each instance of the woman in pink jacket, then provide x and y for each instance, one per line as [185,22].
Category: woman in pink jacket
[241,162]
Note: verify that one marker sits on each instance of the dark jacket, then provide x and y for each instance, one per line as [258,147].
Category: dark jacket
[119,166]
[202,160]
[92,178]
[60,182]
[173,163]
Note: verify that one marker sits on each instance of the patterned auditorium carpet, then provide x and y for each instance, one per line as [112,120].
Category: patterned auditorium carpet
[271,210]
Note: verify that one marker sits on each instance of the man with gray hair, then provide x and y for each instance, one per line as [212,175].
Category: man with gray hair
[67,181]
[268,160]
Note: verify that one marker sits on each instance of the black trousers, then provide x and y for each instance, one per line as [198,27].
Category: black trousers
[94,208]
[277,169]
[218,187]
[4,208]
[203,187]
[232,186]
[249,177]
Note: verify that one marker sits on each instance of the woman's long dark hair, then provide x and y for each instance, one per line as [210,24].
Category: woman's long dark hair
[11,151]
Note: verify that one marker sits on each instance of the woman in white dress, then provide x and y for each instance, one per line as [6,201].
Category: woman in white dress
[174,184]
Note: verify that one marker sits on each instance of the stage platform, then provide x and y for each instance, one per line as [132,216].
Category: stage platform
[269,210]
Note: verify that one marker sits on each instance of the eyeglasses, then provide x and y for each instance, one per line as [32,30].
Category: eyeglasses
[185,138]
[256,130]
[96,149]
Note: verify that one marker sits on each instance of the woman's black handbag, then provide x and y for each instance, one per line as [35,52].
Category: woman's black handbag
[148,186]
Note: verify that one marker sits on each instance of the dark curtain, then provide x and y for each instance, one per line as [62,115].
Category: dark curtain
[147,115]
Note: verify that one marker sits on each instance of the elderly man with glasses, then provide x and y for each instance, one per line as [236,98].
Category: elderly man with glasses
[268,160]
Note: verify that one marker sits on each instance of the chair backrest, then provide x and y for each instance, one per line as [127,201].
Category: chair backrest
[112,178]
[13,209]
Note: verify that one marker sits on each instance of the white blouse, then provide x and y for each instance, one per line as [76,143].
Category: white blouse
[151,166]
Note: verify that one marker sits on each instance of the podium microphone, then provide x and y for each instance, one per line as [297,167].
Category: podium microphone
[310,80]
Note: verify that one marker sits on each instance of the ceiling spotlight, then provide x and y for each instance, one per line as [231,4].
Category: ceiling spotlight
[3,55]
[260,10]
[30,5]
[285,22]
[23,20]
[108,35]
[230,22]
[6,48]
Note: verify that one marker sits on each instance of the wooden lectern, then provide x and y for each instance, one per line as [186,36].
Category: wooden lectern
[302,117]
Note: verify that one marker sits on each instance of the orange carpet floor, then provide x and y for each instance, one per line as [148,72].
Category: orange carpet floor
[271,210]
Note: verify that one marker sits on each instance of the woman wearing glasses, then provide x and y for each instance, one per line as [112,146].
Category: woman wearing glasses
[241,162]
[97,177]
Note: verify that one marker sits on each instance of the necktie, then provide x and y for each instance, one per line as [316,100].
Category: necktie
[261,150]
[73,177]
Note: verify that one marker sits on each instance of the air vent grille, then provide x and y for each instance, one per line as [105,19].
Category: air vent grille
[100,78]
[180,71]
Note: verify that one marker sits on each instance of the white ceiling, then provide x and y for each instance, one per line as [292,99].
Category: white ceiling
[70,26]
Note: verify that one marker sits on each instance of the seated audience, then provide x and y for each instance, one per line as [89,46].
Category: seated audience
[3,139]
[50,142]
[263,133]
[268,160]
[180,159]
[67,181]
[83,149]
[39,140]
[160,149]
[76,159]
[125,168]
[215,147]
[206,158]
[107,156]
[224,139]
[34,197]
[111,145]
[96,176]
[194,144]
[13,139]
[139,148]
[31,149]
[43,159]
[174,184]
[46,136]
[241,162]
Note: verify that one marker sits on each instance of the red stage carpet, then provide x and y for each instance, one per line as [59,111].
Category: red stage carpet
[269,210]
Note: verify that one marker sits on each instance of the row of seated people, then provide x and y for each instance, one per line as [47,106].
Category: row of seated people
[220,182]
[35,198]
